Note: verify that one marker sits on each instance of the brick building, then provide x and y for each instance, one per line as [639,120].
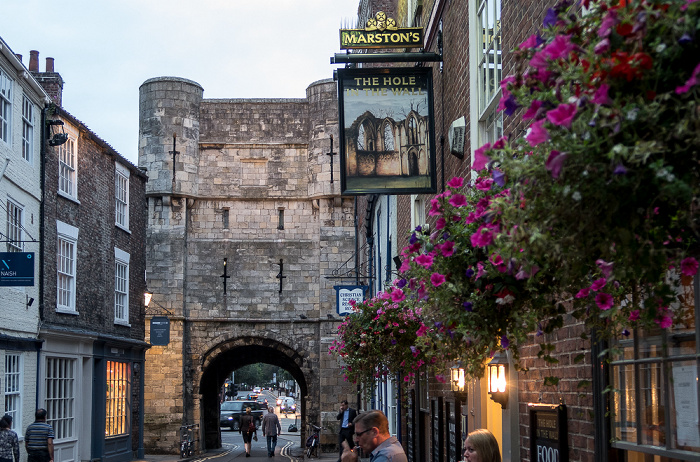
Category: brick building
[92,319]
[22,101]
[242,188]
[475,37]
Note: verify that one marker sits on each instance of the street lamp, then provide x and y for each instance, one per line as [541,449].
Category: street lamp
[457,381]
[148,299]
[497,373]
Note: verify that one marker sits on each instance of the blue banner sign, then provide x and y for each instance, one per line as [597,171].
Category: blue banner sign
[16,269]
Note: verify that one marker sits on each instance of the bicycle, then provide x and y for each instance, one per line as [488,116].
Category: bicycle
[187,440]
[313,442]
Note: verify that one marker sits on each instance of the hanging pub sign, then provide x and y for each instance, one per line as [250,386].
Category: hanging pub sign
[386,131]
[160,331]
[16,269]
[548,433]
[381,32]
[343,295]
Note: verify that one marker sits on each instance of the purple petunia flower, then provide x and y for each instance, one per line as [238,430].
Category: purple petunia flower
[469,273]
[550,18]
[685,39]
[467,306]
[620,170]
[505,343]
[402,283]
[499,177]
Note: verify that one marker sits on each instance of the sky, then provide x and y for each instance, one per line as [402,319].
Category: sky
[105,49]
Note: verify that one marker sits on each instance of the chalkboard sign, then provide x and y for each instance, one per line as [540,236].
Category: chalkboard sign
[436,428]
[454,432]
[548,433]
[410,426]
[160,331]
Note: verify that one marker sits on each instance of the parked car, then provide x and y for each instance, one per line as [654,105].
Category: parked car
[287,405]
[232,411]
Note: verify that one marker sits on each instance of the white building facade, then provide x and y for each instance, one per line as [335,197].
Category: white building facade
[22,101]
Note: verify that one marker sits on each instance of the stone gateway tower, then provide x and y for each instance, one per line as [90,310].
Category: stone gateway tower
[245,229]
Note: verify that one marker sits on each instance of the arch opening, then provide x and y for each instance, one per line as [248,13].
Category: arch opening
[218,365]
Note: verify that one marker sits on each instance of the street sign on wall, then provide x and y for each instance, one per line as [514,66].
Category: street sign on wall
[160,331]
[16,269]
[343,295]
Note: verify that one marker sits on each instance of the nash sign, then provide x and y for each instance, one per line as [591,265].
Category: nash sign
[16,269]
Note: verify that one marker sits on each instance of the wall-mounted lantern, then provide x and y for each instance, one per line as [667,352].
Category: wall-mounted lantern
[497,373]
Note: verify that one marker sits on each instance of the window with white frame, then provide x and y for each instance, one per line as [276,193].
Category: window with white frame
[121,287]
[489,51]
[27,129]
[66,267]
[121,193]
[417,211]
[60,396]
[67,168]
[5,106]
[14,227]
[13,388]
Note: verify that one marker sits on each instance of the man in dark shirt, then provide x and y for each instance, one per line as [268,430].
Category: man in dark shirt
[38,439]
[346,416]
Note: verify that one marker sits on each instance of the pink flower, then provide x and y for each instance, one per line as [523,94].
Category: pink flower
[537,134]
[480,159]
[664,321]
[602,46]
[405,266]
[555,162]
[422,330]
[437,279]
[604,301]
[479,270]
[689,266]
[605,267]
[532,110]
[583,293]
[560,47]
[424,260]
[530,42]
[448,249]
[440,223]
[598,284]
[607,24]
[456,182]
[564,114]
[634,315]
[458,200]
[435,207]
[692,81]
[397,295]
[601,95]
[482,237]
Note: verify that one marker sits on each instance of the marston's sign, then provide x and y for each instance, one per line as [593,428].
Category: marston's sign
[381,32]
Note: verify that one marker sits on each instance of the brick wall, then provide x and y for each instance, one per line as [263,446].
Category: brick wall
[94,215]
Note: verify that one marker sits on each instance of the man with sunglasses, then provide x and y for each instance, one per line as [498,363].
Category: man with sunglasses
[372,435]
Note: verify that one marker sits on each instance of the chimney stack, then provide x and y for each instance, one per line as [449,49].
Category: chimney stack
[50,80]
[34,61]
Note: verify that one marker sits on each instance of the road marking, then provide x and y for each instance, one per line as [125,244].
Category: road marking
[230,449]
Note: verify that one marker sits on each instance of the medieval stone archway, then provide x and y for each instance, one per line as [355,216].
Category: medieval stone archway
[233,354]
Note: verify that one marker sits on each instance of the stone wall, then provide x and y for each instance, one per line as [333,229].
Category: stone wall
[259,193]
